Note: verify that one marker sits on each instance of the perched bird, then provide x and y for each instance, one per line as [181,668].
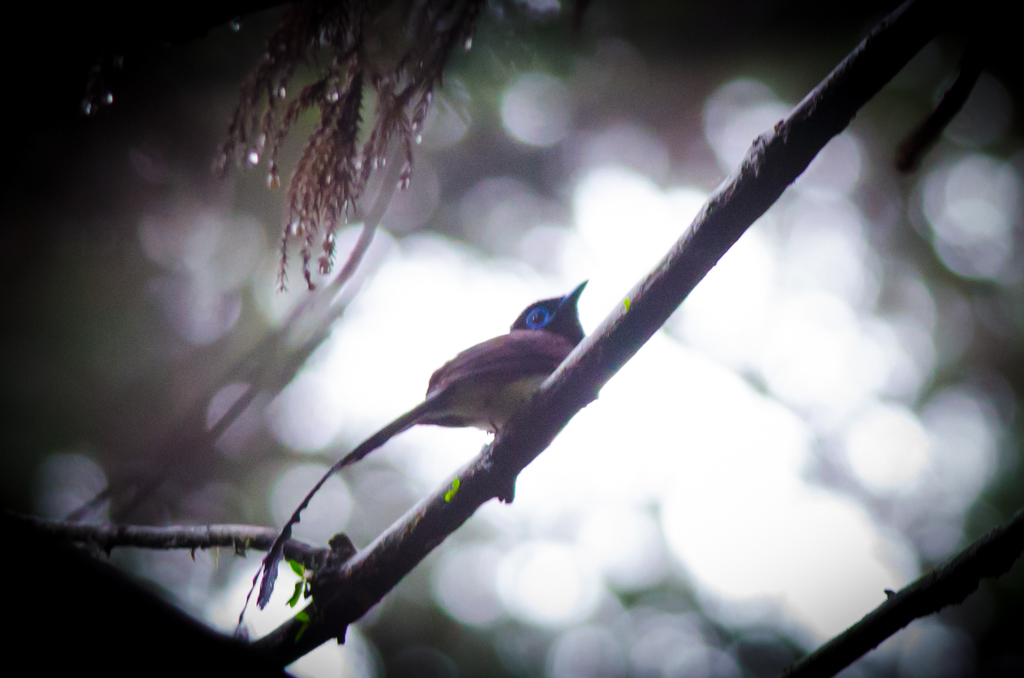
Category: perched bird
[480,387]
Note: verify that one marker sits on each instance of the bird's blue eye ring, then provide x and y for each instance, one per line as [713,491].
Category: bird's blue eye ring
[537,318]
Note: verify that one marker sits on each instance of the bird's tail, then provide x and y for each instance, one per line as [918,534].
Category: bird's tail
[273,557]
[407,420]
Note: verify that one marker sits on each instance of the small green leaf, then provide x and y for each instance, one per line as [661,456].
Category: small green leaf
[295,594]
[303,617]
[297,567]
[455,488]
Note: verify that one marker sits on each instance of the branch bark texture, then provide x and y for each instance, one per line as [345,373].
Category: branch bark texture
[108,536]
[344,593]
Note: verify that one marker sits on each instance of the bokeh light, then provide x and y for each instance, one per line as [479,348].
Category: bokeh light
[548,583]
[465,584]
[586,651]
[706,662]
[208,259]
[536,109]
[736,114]
[663,640]
[935,650]
[887,447]
[64,482]
[810,428]
[973,208]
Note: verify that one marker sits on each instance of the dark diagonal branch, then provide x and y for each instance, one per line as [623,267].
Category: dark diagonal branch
[343,594]
[108,536]
[913,148]
[950,583]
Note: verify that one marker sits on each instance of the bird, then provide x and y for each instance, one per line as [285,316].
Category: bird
[481,387]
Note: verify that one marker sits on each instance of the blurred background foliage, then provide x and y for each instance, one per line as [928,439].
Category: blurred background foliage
[834,410]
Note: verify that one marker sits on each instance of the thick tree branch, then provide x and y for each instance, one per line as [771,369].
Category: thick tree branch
[950,583]
[108,623]
[343,594]
[238,537]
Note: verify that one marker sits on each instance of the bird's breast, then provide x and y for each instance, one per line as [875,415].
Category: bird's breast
[485,403]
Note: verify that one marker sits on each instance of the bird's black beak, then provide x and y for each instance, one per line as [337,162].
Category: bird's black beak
[574,296]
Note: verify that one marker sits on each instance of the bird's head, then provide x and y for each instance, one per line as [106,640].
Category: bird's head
[558,315]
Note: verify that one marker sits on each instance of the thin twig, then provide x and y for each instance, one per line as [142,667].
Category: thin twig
[260,366]
[377,212]
[916,144]
[950,583]
[240,538]
[343,594]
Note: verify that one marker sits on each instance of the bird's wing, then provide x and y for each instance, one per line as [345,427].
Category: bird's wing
[512,356]
[508,358]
